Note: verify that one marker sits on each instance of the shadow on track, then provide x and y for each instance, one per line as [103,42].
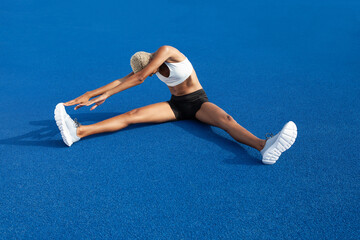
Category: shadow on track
[43,136]
[204,131]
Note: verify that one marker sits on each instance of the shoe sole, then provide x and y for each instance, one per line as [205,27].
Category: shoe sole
[286,139]
[59,115]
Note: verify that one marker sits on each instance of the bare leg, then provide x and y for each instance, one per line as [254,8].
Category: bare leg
[211,114]
[156,113]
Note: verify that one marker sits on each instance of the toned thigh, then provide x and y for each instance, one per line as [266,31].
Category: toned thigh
[158,112]
[211,114]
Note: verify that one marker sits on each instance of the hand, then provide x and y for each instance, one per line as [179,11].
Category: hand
[97,101]
[79,100]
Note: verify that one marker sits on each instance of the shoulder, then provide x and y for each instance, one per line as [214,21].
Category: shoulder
[166,48]
[174,55]
[164,52]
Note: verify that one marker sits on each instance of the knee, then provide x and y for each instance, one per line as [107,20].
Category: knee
[228,118]
[133,112]
[225,120]
[131,115]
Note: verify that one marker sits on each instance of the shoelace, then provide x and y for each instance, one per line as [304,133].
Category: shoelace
[77,124]
[268,135]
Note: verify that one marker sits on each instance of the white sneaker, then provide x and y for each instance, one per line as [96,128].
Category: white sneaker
[66,125]
[279,143]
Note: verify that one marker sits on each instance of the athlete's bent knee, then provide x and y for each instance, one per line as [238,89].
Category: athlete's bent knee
[225,120]
[131,115]
[133,112]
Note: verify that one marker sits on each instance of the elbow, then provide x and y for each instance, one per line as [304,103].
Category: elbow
[141,78]
[139,81]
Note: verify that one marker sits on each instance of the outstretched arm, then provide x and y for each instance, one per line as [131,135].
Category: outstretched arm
[109,86]
[83,99]
[131,81]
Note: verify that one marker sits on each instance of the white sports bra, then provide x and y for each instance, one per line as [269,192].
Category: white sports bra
[179,72]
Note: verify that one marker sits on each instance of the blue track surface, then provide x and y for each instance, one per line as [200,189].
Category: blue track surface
[264,62]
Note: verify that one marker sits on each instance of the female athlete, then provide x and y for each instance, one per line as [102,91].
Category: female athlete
[188,101]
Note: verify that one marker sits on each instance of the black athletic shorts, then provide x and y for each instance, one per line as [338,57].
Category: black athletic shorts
[186,106]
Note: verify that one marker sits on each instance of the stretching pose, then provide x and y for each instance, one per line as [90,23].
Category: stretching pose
[188,101]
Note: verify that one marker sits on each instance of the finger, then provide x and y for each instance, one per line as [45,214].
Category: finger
[70,103]
[97,104]
[92,102]
[78,106]
[101,102]
[93,107]
[89,103]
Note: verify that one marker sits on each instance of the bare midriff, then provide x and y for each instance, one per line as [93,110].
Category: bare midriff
[191,84]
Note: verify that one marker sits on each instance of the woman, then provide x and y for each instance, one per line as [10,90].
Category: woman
[188,101]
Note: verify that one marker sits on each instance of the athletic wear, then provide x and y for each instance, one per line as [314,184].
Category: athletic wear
[66,125]
[279,143]
[186,106]
[179,72]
